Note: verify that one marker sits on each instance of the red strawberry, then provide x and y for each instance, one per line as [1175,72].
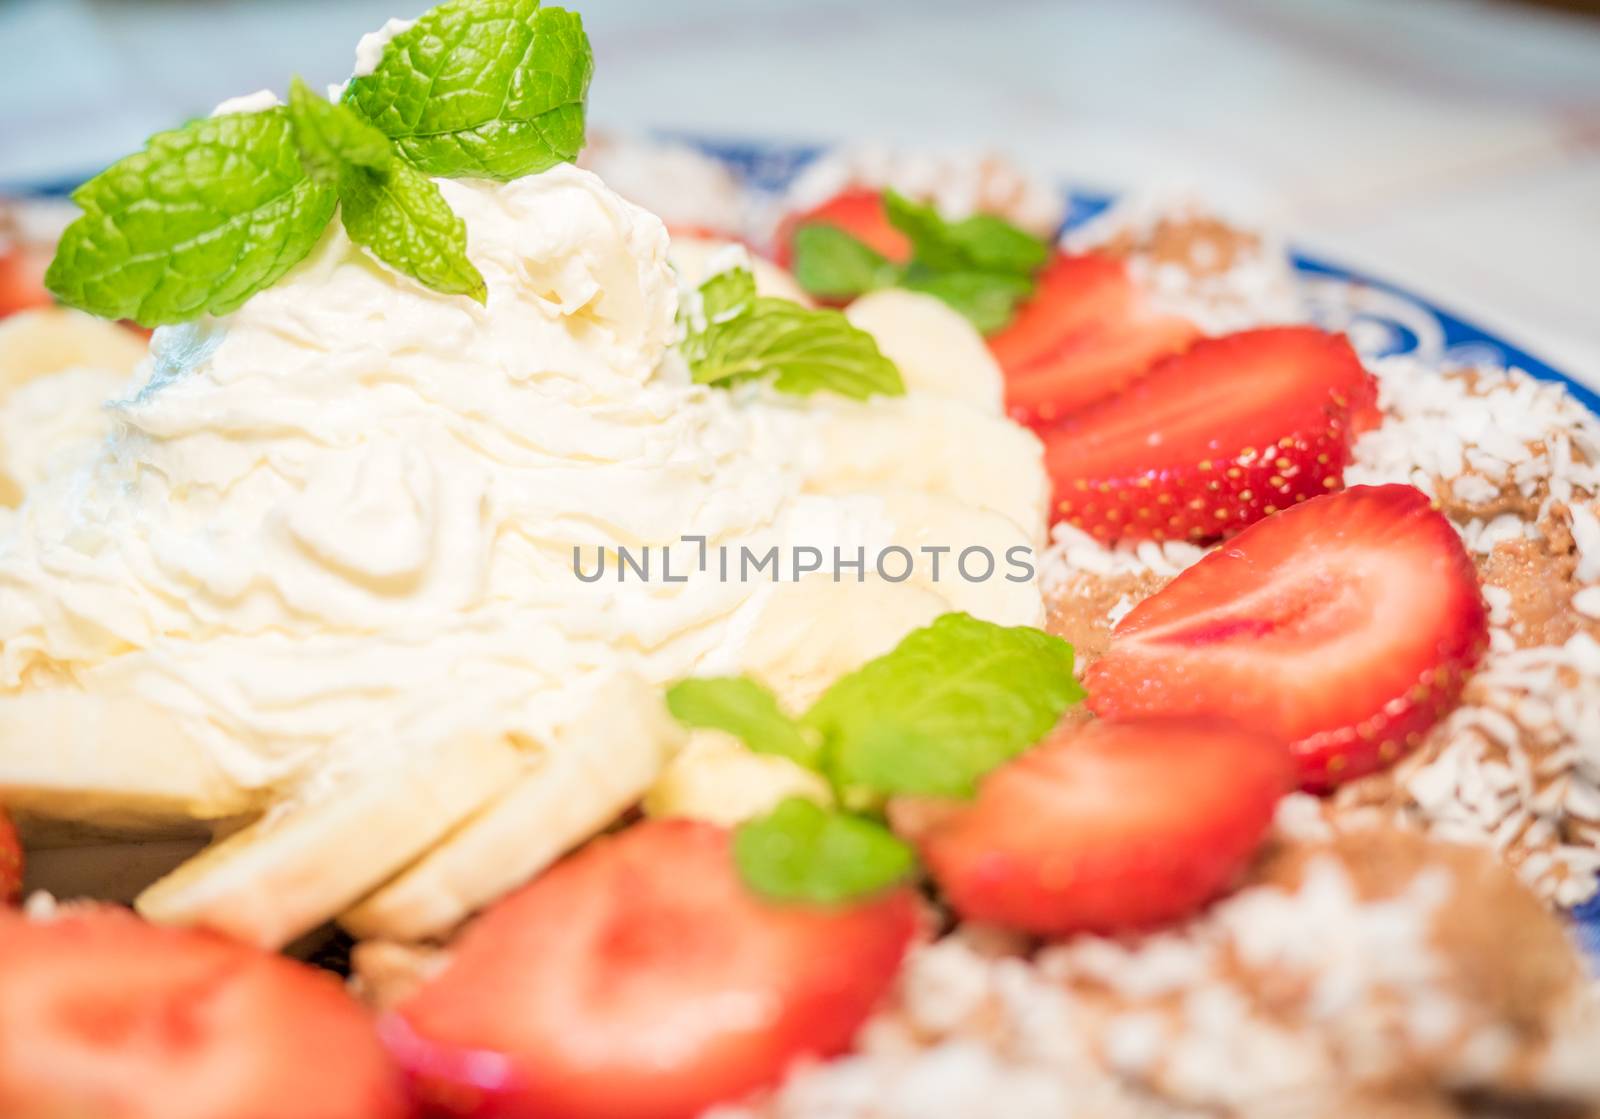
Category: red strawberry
[860,213]
[104,1015]
[641,978]
[1344,626]
[1083,336]
[10,862]
[1213,439]
[1109,826]
[22,280]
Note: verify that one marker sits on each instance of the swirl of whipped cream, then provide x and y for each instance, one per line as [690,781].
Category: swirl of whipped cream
[341,521]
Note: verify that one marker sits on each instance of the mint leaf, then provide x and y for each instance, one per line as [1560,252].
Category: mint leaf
[491,89]
[830,263]
[746,710]
[986,299]
[728,294]
[948,704]
[331,139]
[388,207]
[402,219]
[737,335]
[202,219]
[981,243]
[803,852]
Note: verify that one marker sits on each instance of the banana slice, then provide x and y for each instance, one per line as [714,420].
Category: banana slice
[298,866]
[602,763]
[938,351]
[692,257]
[37,343]
[813,631]
[109,761]
[717,779]
[934,446]
[986,563]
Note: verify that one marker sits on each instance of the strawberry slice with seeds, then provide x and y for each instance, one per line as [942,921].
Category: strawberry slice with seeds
[104,1015]
[1109,826]
[1212,439]
[1084,335]
[10,862]
[859,212]
[641,978]
[1345,626]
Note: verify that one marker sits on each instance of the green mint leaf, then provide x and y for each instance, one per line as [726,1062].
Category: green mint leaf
[202,219]
[830,263]
[728,294]
[803,852]
[948,704]
[331,139]
[491,89]
[981,243]
[388,207]
[746,710]
[987,299]
[401,218]
[802,350]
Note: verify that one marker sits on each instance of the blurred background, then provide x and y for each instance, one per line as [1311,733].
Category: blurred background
[1450,144]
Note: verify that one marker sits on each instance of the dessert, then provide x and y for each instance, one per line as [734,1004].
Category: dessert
[683,650]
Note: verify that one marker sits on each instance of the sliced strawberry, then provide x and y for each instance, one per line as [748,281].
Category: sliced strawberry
[22,287]
[1344,626]
[860,213]
[1083,336]
[1212,439]
[10,862]
[1110,826]
[104,1015]
[641,979]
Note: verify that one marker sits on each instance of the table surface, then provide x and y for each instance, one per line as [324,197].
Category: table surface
[1453,145]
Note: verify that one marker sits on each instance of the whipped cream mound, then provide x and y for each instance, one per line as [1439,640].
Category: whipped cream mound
[341,521]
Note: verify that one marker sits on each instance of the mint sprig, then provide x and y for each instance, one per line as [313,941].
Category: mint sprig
[831,264]
[948,704]
[491,89]
[953,701]
[801,851]
[982,266]
[743,708]
[733,335]
[980,243]
[388,207]
[211,213]
[202,219]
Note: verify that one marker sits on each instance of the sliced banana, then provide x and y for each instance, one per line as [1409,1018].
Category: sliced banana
[306,861]
[986,565]
[934,446]
[37,343]
[938,351]
[109,761]
[813,631]
[692,258]
[717,779]
[604,761]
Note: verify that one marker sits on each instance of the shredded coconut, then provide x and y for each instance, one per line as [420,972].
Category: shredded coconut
[1193,263]
[1313,986]
[1073,551]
